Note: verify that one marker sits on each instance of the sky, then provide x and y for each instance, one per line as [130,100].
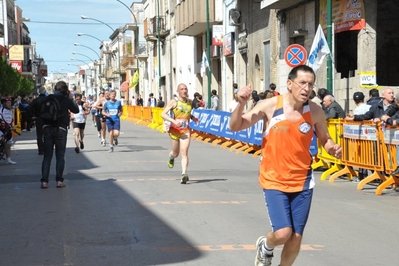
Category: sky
[54,25]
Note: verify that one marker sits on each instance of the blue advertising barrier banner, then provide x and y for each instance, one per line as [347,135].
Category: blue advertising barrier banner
[217,123]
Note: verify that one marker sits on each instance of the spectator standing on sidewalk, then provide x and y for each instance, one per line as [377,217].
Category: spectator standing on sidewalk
[333,109]
[287,182]
[160,103]
[26,113]
[36,103]
[374,96]
[361,108]
[195,100]
[377,109]
[152,102]
[6,115]
[272,88]
[215,101]
[55,135]
[139,101]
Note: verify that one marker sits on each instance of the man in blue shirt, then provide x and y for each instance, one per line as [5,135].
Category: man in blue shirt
[112,110]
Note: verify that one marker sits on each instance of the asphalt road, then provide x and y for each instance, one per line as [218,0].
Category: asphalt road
[129,208]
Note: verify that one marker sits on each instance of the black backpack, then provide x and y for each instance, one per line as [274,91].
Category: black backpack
[50,109]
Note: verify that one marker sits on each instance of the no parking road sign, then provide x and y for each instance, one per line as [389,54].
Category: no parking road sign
[295,55]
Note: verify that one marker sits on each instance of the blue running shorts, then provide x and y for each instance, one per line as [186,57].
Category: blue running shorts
[113,125]
[288,209]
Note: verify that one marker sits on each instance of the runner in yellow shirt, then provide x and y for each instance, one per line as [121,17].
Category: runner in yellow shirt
[179,131]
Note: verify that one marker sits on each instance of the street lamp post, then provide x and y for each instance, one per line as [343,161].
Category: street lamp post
[78,44]
[94,66]
[67,70]
[84,56]
[99,66]
[69,64]
[119,59]
[84,63]
[88,66]
[85,34]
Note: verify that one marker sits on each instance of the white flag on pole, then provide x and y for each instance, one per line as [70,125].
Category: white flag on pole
[204,63]
[319,50]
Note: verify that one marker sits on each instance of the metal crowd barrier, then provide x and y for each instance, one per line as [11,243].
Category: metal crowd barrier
[389,143]
[365,145]
[323,157]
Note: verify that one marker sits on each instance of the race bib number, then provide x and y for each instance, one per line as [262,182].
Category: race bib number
[184,123]
[113,112]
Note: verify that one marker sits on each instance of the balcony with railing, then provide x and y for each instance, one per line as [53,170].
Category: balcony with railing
[109,73]
[151,29]
[129,61]
[191,17]
[26,40]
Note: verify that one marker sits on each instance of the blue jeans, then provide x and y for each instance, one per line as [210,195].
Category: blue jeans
[54,136]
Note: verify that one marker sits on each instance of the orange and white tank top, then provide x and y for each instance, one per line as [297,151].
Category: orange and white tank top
[286,160]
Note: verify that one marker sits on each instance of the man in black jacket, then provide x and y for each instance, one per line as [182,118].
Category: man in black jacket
[374,97]
[38,121]
[55,134]
[391,117]
[376,110]
[333,109]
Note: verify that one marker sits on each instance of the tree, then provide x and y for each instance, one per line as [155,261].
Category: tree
[11,82]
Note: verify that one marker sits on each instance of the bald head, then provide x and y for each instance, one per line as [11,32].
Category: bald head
[328,100]
[388,95]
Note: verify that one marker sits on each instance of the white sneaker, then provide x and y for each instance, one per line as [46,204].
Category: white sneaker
[262,259]
[8,161]
[103,143]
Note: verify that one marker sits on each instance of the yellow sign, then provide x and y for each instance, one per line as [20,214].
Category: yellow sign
[346,15]
[16,52]
[368,79]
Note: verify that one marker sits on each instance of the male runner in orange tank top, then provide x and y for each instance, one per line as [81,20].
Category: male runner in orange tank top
[285,170]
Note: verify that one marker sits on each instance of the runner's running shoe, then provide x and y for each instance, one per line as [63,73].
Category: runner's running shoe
[171,162]
[262,259]
[184,179]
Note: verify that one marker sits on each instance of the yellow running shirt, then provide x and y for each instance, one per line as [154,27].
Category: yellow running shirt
[182,113]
